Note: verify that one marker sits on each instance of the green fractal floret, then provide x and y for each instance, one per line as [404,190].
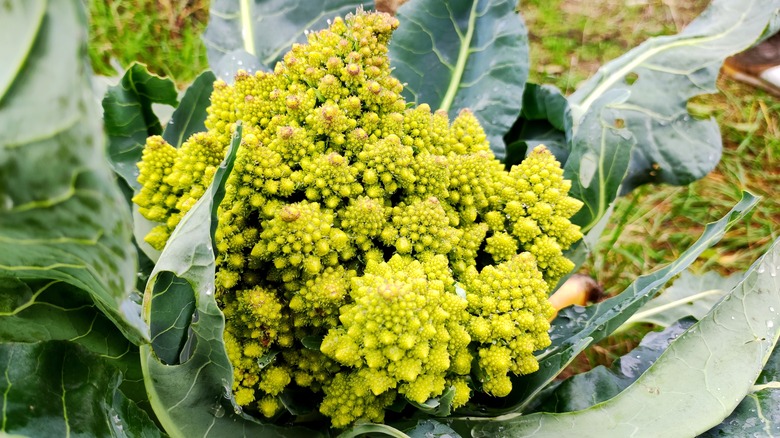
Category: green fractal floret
[348,397]
[403,332]
[387,235]
[319,298]
[419,227]
[509,301]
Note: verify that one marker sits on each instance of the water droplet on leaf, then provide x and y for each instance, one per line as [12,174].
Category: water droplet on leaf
[217,410]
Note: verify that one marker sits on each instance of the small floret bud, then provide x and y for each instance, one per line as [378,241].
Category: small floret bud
[274,379]
[269,406]
[501,246]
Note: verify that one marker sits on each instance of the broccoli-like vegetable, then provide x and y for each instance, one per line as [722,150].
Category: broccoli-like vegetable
[387,235]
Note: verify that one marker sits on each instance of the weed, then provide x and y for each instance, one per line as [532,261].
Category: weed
[164,35]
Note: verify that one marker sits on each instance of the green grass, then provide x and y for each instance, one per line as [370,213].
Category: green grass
[163,34]
[571,39]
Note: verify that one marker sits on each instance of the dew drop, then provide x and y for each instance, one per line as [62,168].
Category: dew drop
[761,268]
[770,324]
[217,410]
[118,426]
[771,309]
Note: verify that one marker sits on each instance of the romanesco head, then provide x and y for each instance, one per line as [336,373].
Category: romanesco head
[387,232]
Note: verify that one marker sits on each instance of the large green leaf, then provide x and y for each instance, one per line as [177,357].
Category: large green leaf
[759,413]
[57,388]
[695,384]
[431,429]
[23,22]
[545,119]
[49,310]
[689,295]
[189,380]
[577,326]
[661,75]
[61,215]
[584,390]
[464,54]
[174,303]
[264,29]
[190,115]
[129,119]
[598,161]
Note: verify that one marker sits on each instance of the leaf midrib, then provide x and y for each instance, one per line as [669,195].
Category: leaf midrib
[463,56]
[623,71]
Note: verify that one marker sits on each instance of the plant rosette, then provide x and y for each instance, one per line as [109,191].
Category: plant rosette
[327,242]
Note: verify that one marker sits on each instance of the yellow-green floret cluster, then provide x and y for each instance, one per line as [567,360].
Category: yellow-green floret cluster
[366,250]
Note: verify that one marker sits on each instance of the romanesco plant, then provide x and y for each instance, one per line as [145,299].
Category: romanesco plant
[385,231]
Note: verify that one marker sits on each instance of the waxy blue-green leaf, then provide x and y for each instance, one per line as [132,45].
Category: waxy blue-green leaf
[192,396]
[598,161]
[759,413]
[61,215]
[51,310]
[129,119]
[440,406]
[190,116]
[577,326]
[584,390]
[661,75]
[693,386]
[57,388]
[174,304]
[265,29]
[20,21]
[431,429]
[545,119]
[689,295]
[464,54]
[372,429]
[235,60]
